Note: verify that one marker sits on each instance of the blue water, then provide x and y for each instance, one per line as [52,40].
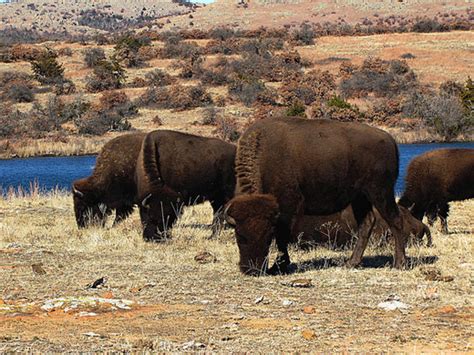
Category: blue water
[60,172]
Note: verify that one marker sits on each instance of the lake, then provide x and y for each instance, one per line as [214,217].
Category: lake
[52,172]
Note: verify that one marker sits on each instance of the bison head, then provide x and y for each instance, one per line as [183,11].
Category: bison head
[158,210]
[87,206]
[254,218]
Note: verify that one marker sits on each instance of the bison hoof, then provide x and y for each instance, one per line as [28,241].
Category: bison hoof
[279,269]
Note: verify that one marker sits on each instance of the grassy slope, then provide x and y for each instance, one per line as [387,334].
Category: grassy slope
[439,57]
[213,303]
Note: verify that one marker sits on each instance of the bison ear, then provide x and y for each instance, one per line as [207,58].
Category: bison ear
[145,203]
[228,218]
[76,192]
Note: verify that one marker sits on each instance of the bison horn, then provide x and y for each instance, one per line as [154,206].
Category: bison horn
[77,192]
[229,219]
[145,200]
[411,207]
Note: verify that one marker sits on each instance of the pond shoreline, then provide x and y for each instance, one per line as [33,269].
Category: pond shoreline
[83,146]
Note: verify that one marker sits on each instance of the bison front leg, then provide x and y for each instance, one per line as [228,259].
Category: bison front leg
[218,219]
[443,213]
[282,261]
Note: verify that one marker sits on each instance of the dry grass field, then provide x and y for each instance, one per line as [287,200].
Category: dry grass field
[158,297]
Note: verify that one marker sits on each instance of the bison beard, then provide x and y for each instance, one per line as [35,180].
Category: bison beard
[311,167]
[175,169]
[436,178]
[111,185]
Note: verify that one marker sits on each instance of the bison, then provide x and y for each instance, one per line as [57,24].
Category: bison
[112,183]
[289,167]
[436,178]
[337,230]
[176,169]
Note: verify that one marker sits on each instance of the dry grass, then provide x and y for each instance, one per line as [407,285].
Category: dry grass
[213,304]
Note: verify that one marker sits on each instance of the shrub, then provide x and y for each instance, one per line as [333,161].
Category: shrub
[380,77]
[174,48]
[246,90]
[303,36]
[18,91]
[107,75]
[176,97]
[93,56]
[337,101]
[16,86]
[64,87]
[119,102]
[46,68]
[428,25]
[297,108]
[101,122]
[127,47]
[210,115]
[227,129]
[307,88]
[444,113]
[158,77]
[49,117]
[76,109]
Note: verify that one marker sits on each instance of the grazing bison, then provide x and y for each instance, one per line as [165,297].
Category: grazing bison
[290,167]
[112,183]
[436,178]
[337,230]
[176,169]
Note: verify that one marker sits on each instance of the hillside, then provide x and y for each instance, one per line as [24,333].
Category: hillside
[85,17]
[251,14]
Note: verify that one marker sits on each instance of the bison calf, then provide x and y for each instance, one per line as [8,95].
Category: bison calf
[176,169]
[436,178]
[290,167]
[337,230]
[111,185]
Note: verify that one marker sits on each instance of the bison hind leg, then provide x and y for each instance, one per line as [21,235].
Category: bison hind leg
[443,213]
[388,209]
[365,221]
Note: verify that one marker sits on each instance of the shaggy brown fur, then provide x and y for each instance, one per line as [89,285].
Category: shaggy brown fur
[111,185]
[176,169]
[313,167]
[436,178]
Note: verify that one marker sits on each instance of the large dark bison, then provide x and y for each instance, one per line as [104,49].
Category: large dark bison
[290,167]
[337,230]
[436,178]
[176,169]
[112,183]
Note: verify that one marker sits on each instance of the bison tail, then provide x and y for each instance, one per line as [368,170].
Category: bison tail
[151,161]
[247,167]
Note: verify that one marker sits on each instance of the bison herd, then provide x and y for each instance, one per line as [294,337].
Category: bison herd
[289,180]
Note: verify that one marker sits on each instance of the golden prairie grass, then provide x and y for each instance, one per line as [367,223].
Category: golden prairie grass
[190,306]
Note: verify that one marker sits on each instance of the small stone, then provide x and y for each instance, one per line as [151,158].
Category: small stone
[38,269]
[259,299]
[447,309]
[309,310]
[205,257]
[287,303]
[308,334]
[107,295]
[304,283]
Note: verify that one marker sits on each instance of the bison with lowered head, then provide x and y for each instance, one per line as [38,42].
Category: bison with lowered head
[290,167]
[436,178]
[112,183]
[176,169]
[337,230]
